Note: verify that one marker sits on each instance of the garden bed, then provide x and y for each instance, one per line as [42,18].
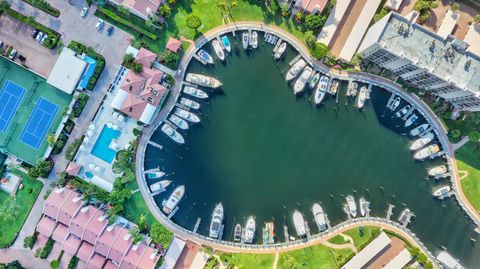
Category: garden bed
[80,48]
[44,6]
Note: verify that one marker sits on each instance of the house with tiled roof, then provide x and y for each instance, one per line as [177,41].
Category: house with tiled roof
[311,6]
[142,8]
[173,45]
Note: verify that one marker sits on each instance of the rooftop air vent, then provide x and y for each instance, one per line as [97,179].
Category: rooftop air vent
[84,209]
[127,236]
[76,199]
[110,228]
[102,218]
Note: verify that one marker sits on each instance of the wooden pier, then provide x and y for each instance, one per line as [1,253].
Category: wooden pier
[295,60]
[155,145]
[197,224]
[390,211]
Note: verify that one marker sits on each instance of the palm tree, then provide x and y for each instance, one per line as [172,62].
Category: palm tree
[476,19]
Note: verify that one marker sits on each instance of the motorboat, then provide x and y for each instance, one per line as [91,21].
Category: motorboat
[403,111]
[352,88]
[174,199]
[226,43]
[299,223]
[203,80]
[405,217]
[362,96]
[218,49]
[155,174]
[216,222]
[314,80]
[437,171]
[237,234]
[320,217]
[205,56]
[364,206]
[249,231]
[352,206]
[187,115]
[280,50]
[447,261]
[334,87]
[413,118]
[254,39]
[172,133]
[181,123]
[426,152]
[161,185]
[296,68]
[419,129]
[320,90]
[422,141]
[189,103]
[195,92]
[245,40]
[396,102]
[442,192]
[300,83]
[268,233]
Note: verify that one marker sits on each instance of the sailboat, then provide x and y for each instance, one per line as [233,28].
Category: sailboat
[254,39]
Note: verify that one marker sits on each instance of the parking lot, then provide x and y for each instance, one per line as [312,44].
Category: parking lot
[17,34]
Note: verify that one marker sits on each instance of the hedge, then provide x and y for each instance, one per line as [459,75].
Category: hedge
[47,249]
[54,36]
[110,15]
[44,6]
[80,49]
[73,263]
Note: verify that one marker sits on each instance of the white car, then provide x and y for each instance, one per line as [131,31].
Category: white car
[84,12]
[12,55]
[44,38]
[100,24]
[1,43]
[39,36]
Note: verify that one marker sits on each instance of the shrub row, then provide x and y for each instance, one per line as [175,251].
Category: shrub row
[47,249]
[44,6]
[80,49]
[114,18]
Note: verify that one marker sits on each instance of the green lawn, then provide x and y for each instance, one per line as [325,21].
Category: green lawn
[361,238]
[251,261]
[316,257]
[135,206]
[338,240]
[25,199]
[468,159]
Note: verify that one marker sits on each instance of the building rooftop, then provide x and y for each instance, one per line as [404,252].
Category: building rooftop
[473,39]
[173,252]
[448,24]
[68,70]
[173,44]
[368,253]
[445,58]
[312,5]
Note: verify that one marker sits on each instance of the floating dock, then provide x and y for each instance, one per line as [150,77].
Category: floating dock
[294,60]
[390,100]
[155,145]
[197,224]
[390,211]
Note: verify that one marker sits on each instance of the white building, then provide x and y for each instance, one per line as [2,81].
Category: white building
[369,252]
[67,72]
[443,66]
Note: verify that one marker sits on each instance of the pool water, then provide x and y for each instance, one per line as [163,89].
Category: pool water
[101,148]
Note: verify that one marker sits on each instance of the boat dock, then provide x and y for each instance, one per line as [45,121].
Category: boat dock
[173,212]
[328,222]
[390,211]
[280,40]
[197,224]
[182,106]
[433,156]
[295,60]
[390,100]
[285,233]
[186,83]
[199,59]
[158,192]
[345,209]
[155,145]
[426,131]
[410,111]
[407,220]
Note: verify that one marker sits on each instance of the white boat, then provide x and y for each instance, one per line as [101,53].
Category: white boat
[174,199]
[319,216]
[161,185]
[245,40]
[320,90]
[422,141]
[442,192]
[334,87]
[237,234]
[300,83]
[405,217]
[362,96]
[281,49]
[189,103]
[437,171]
[216,222]
[249,231]
[226,43]
[218,49]
[203,80]
[205,56]
[364,206]
[155,174]
[394,105]
[296,68]
[352,88]
[352,206]
[447,261]
[413,118]
[419,129]
[403,111]
[426,152]
[187,115]
[268,233]
[172,133]
[299,223]
[314,80]
[195,92]
[181,123]
[254,39]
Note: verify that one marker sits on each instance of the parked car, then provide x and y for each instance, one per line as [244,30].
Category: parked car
[12,55]
[110,30]
[44,38]
[100,24]
[39,36]
[1,44]
[84,12]
[34,33]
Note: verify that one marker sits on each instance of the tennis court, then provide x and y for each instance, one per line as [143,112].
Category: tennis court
[10,99]
[39,123]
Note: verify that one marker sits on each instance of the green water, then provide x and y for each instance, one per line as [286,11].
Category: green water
[262,151]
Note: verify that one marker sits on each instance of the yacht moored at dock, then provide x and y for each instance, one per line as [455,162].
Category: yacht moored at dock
[195,92]
[203,80]
[334,87]
[218,49]
[187,115]
[281,49]
[245,40]
[319,216]
[352,206]
[394,105]
[226,43]
[237,234]
[320,90]
[405,217]
[295,69]
[216,222]
[403,111]
[301,82]
[254,39]
[352,89]
[419,129]
[422,141]
[442,192]
[174,199]
[159,186]
[249,231]
[268,233]
[172,133]
[364,206]
[179,122]
[447,261]
[314,80]
[189,103]
[426,152]
[205,56]
[412,119]
[438,171]
[154,174]
[299,223]
[362,97]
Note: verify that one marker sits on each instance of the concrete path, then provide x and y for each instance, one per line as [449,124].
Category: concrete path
[460,143]
[275,261]
[24,256]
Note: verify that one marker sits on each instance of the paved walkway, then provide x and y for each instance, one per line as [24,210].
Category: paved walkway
[25,256]
[460,143]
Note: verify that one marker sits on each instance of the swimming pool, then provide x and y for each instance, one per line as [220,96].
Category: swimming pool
[101,148]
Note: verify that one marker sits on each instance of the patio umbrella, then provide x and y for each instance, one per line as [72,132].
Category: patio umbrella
[97,169]
[86,140]
[92,126]
[89,133]
[115,127]
[82,148]
[109,124]
[91,166]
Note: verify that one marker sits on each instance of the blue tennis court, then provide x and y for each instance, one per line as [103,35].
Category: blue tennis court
[38,123]
[10,99]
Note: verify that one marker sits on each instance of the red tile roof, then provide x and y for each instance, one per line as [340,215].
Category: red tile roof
[110,265]
[105,241]
[133,256]
[60,233]
[85,251]
[312,5]
[71,245]
[145,57]
[95,227]
[120,246]
[149,259]
[173,44]
[46,226]
[69,208]
[73,169]
[81,220]
[55,201]
[96,262]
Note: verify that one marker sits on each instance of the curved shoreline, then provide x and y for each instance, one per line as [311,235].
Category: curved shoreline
[342,75]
